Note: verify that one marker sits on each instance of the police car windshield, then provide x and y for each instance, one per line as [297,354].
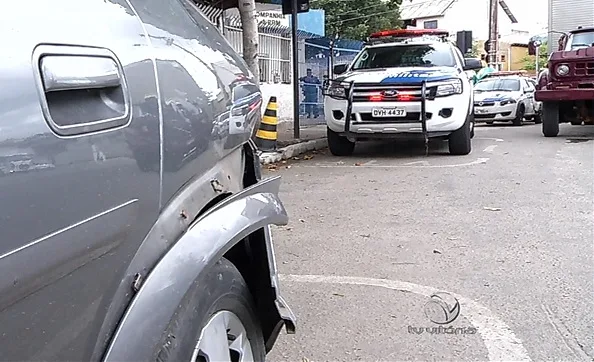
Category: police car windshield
[498,84]
[410,55]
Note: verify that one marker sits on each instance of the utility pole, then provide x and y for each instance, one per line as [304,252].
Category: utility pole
[247,13]
[294,24]
[493,34]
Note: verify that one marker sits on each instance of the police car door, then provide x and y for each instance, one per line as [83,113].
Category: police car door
[528,90]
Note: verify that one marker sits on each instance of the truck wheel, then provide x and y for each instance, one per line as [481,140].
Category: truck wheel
[459,141]
[519,115]
[339,145]
[550,119]
[216,321]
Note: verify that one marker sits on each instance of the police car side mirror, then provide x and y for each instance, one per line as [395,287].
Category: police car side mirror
[340,68]
[472,64]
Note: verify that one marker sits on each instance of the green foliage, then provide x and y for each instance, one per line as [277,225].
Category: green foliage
[529,62]
[477,48]
[356,19]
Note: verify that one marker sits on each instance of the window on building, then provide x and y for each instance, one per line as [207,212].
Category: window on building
[503,58]
[431,24]
[483,57]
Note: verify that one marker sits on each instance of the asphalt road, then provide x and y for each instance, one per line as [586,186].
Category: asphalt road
[507,230]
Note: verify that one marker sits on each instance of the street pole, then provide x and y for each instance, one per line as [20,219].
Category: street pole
[295,57]
[537,59]
[493,34]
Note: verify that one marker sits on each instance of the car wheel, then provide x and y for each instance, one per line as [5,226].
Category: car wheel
[472,124]
[339,145]
[550,119]
[216,321]
[459,141]
[537,118]
[519,115]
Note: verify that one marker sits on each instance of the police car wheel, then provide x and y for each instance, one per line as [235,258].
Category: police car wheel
[459,141]
[339,145]
[519,116]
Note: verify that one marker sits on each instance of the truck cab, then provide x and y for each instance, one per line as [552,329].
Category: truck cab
[566,87]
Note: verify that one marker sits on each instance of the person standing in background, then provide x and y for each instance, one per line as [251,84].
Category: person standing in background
[310,92]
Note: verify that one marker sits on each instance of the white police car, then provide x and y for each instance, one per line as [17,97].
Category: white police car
[506,96]
[379,95]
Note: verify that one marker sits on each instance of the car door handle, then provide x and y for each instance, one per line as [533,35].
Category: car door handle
[62,73]
[82,90]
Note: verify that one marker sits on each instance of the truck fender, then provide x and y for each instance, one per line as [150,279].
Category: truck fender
[206,241]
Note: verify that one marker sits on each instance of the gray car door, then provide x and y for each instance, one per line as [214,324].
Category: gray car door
[79,172]
[197,70]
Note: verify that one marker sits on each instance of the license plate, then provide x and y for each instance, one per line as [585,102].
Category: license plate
[388,112]
[480,111]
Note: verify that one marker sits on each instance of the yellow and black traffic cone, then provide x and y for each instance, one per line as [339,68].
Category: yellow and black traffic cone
[267,134]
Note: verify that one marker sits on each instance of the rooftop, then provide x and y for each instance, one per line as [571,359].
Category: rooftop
[417,9]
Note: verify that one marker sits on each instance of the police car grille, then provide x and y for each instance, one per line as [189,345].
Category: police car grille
[484,104]
[411,93]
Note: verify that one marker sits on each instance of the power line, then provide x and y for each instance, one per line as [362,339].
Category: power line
[361,17]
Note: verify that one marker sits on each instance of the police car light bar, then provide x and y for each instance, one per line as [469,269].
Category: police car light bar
[409,33]
[503,73]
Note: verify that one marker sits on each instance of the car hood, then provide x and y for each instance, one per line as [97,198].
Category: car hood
[413,75]
[494,96]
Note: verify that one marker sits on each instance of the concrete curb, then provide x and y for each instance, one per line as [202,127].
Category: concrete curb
[293,150]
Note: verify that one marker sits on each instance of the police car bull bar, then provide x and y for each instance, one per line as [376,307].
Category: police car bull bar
[349,87]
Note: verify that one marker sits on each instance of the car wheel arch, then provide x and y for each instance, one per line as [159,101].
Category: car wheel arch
[158,297]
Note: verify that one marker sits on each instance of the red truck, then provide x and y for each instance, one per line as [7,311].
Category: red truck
[566,87]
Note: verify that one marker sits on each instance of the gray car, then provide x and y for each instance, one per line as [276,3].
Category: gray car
[133,225]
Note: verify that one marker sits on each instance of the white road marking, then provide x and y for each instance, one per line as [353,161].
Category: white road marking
[500,341]
[423,163]
[490,149]
[408,165]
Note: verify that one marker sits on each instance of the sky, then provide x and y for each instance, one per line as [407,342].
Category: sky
[532,16]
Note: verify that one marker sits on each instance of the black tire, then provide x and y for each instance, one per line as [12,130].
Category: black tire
[339,145]
[537,118]
[519,115]
[459,141]
[472,123]
[221,289]
[550,119]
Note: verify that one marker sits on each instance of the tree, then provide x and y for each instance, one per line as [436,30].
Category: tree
[529,62]
[356,19]
[477,49]
[247,12]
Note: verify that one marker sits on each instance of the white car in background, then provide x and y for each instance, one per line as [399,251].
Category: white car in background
[505,97]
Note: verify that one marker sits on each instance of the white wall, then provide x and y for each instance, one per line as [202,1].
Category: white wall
[284,99]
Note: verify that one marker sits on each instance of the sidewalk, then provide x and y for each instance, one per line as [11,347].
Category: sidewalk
[312,137]
[306,133]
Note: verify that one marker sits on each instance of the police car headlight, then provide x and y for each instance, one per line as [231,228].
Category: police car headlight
[449,88]
[336,90]
[507,101]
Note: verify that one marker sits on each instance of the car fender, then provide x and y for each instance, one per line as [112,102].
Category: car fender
[206,241]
